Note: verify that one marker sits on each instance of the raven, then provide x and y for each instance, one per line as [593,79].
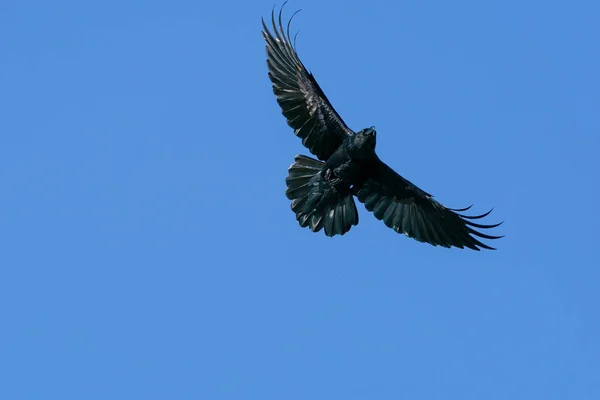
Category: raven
[322,190]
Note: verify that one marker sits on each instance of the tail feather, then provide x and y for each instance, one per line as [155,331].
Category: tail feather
[319,201]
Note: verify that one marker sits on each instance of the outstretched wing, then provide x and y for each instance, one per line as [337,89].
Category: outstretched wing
[302,101]
[407,209]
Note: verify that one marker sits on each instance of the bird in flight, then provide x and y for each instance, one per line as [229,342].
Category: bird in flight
[322,191]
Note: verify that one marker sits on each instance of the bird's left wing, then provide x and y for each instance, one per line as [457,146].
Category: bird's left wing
[407,209]
[302,101]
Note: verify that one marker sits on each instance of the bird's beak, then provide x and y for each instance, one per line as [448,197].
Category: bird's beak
[371,131]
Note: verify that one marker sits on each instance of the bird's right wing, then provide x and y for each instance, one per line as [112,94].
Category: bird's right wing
[302,101]
[407,209]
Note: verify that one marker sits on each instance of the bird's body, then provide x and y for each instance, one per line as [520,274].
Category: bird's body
[322,191]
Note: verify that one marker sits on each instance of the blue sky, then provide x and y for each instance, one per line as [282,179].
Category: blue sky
[148,249]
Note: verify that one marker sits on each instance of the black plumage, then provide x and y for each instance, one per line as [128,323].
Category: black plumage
[322,191]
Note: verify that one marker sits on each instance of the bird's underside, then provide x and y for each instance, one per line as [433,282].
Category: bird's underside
[322,190]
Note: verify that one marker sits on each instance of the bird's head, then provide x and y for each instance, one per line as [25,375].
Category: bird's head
[370,131]
[362,143]
[368,137]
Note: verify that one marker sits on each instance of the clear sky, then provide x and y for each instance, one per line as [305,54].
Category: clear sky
[148,250]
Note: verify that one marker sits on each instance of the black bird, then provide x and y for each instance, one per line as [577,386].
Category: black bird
[322,191]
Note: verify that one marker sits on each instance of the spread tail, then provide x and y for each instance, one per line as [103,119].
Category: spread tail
[319,199]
